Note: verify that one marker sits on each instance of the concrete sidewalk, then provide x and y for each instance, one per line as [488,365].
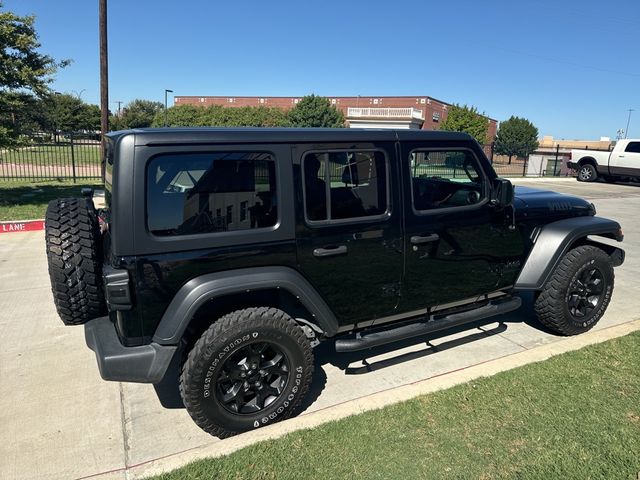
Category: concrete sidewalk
[60,420]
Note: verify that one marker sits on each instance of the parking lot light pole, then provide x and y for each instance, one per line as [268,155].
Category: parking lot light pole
[628,120]
[165,106]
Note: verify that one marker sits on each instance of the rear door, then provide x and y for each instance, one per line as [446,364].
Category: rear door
[349,237]
[458,246]
[626,162]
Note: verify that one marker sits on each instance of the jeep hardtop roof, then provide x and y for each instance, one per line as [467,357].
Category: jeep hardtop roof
[167,136]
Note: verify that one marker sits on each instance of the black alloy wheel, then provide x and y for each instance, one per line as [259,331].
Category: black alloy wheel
[585,293]
[577,293]
[253,378]
[249,369]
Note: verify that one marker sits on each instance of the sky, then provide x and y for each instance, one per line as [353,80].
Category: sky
[571,67]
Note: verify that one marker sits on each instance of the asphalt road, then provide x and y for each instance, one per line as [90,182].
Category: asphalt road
[60,420]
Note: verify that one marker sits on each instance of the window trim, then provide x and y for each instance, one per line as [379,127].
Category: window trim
[434,211]
[626,150]
[329,222]
[193,236]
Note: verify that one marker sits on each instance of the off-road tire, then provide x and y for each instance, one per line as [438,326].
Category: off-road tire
[587,173]
[74,256]
[230,334]
[552,305]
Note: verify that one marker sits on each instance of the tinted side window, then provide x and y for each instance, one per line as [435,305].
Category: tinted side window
[211,192]
[445,178]
[633,147]
[344,185]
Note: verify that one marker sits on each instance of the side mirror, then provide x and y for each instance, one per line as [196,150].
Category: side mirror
[502,192]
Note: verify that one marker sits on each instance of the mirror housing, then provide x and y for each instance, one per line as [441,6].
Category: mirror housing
[502,192]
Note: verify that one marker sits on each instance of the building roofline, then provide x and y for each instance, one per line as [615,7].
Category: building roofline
[327,96]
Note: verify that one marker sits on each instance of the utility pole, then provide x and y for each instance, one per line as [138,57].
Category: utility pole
[628,120]
[119,102]
[104,80]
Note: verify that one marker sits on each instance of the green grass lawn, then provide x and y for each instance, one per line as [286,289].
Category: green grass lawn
[21,200]
[574,416]
[53,155]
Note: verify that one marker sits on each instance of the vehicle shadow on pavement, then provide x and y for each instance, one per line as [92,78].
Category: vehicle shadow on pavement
[169,394]
[325,352]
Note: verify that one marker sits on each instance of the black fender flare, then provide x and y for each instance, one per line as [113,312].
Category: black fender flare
[556,238]
[197,291]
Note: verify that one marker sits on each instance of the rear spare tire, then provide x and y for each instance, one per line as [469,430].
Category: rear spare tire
[74,256]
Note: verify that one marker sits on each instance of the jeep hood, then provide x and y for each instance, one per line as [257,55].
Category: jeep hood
[534,203]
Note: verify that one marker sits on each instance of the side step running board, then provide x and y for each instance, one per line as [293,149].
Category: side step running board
[423,326]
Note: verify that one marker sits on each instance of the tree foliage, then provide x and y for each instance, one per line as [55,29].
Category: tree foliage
[467,119]
[311,111]
[24,72]
[517,136]
[68,113]
[315,111]
[219,116]
[136,114]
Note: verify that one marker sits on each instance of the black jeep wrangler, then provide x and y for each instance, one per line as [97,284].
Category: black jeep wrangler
[236,251]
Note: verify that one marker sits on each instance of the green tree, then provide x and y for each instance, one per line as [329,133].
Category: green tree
[138,114]
[220,116]
[67,113]
[315,111]
[517,136]
[467,119]
[23,70]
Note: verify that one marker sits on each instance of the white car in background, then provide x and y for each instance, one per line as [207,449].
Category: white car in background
[621,163]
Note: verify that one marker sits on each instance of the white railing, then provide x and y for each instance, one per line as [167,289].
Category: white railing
[381,112]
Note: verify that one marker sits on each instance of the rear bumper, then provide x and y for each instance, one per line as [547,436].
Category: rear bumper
[143,364]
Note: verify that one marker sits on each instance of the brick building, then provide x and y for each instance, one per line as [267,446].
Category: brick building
[424,113]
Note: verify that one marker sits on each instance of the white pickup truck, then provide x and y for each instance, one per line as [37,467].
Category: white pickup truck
[623,162]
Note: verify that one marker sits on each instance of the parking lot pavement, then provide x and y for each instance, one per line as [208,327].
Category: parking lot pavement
[60,420]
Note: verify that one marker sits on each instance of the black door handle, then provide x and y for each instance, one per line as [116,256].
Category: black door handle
[329,251]
[418,239]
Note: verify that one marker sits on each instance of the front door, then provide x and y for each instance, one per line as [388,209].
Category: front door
[349,236]
[457,244]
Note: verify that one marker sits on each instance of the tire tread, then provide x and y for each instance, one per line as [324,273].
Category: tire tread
[73,255]
[550,304]
[209,341]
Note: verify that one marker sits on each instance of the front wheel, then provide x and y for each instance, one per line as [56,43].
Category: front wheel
[251,368]
[578,292]
[587,173]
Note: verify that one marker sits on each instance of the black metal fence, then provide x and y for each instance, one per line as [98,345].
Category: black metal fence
[73,157]
[68,156]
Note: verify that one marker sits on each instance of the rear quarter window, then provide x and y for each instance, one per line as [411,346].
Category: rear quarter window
[198,193]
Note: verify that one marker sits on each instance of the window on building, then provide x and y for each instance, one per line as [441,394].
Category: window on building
[436,116]
[345,185]
[184,191]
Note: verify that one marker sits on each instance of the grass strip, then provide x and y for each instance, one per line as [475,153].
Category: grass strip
[21,200]
[576,415]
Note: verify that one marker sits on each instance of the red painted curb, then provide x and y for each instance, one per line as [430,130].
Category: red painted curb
[21,226]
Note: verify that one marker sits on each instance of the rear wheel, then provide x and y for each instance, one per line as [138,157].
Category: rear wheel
[251,368]
[578,291]
[74,257]
[587,173]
